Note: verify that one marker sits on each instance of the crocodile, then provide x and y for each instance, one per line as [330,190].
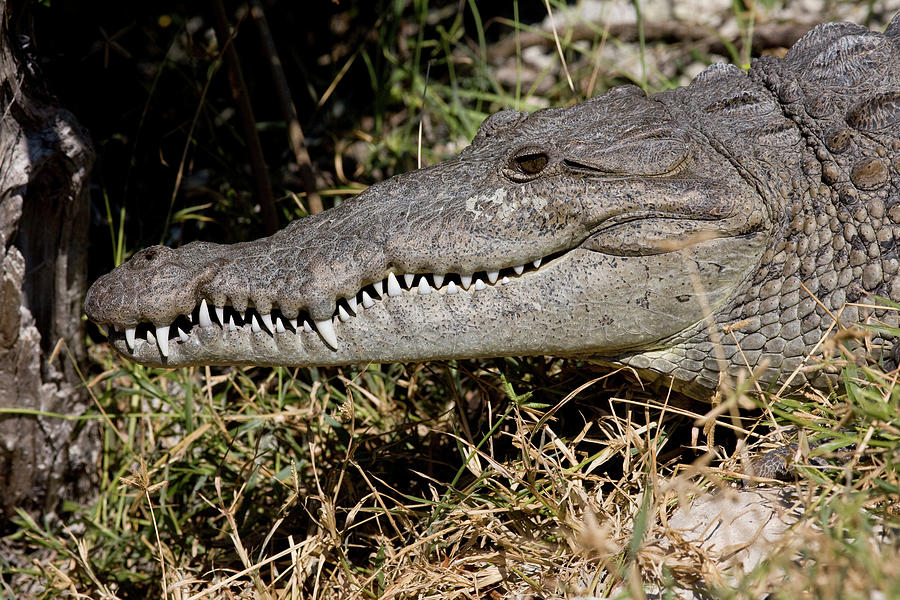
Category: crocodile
[724,226]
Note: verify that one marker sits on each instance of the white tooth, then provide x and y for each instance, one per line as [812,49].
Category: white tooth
[205,319]
[424,288]
[279,326]
[267,321]
[394,288]
[451,288]
[408,278]
[479,284]
[493,275]
[379,287]
[351,302]
[162,339]
[293,323]
[232,326]
[129,337]
[343,315]
[307,327]
[519,269]
[220,313]
[181,335]
[537,263]
[367,301]
[505,280]
[438,280]
[466,281]
[151,338]
[254,324]
[326,330]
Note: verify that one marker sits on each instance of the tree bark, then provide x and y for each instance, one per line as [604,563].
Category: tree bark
[45,162]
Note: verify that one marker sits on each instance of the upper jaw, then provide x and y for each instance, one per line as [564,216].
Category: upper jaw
[162,340]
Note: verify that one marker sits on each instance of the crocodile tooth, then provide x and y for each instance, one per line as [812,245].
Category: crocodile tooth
[479,284]
[451,288]
[205,319]
[466,281]
[367,301]
[493,275]
[105,329]
[351,302]
[408,279]
[293,323]
[151,339]
[307,327]
[229,322]
[181,335]
[343,315]
[129,337]
[162,340]
[220,313]
[424,288]
[393,288]
[279,326]
[254,324]
[537,263]
[438,280]
[267,321]
[326,330]
[379,287]
[505,280]
[519,269]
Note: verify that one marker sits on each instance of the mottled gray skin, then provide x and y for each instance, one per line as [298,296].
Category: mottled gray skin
[659,221]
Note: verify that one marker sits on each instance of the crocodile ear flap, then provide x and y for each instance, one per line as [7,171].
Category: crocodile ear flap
[658,151]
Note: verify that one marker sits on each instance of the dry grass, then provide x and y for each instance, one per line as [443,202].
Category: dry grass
[472,480]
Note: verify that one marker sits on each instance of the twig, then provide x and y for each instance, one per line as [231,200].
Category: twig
[288,110]
[248,121]
[141,481]
[559,50]
[765,36]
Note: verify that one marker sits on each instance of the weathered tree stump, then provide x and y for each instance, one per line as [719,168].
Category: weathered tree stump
[45,162]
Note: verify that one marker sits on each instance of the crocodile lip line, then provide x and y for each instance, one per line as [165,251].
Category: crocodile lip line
[227,318]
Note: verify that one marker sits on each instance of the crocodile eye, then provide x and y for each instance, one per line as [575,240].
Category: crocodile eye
[531,164]
[526,164]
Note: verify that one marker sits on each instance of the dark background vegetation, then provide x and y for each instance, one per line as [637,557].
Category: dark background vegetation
[137,74]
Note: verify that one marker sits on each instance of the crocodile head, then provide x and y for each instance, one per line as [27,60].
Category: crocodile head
[600,229]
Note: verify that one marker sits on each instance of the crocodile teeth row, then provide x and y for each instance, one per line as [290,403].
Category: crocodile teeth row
[257,322]
[346,308]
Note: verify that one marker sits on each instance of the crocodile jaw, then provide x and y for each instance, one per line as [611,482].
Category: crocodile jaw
[581,303]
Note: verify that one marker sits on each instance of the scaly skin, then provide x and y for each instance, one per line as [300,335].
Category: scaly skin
[767,199]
